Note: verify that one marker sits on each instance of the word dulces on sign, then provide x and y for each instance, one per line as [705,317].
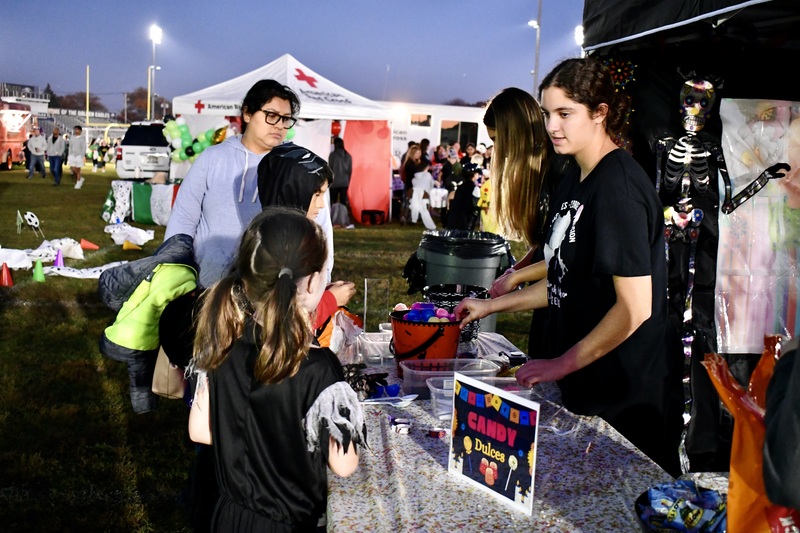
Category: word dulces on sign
[487,450]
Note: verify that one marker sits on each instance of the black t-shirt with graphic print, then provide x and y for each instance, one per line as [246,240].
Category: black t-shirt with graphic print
[611,224]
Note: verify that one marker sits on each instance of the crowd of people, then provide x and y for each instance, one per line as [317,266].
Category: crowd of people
[272,411]
[57,150]
[448,182]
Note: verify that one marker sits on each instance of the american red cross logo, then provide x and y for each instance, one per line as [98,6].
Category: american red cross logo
[301,76]
[199,106]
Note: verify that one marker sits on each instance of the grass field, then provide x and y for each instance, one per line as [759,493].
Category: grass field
[73,455]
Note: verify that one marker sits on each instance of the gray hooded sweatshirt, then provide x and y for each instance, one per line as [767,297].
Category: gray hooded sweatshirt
[216,201]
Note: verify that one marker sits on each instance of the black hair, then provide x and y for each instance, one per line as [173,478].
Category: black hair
[262,92]
[280,247]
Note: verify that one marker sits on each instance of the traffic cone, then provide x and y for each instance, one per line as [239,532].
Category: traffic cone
[86,245]
[38,271]
[59,262]
[128,245]
[5,280]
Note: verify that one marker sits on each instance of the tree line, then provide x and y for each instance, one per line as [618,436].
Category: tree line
[135,103]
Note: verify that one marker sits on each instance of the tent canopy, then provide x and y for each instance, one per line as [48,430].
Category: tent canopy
[640,24]
[319,97]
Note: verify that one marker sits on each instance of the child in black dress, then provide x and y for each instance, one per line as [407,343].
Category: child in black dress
[274,406]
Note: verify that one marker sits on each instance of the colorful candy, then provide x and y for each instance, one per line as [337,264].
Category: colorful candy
[425,312]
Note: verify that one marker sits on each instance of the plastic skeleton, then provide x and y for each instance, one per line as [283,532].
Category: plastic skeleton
[687,167]
[687,157]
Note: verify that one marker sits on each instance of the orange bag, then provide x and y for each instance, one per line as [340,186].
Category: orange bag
[749,510]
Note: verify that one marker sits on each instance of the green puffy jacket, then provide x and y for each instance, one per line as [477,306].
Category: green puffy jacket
[136,325]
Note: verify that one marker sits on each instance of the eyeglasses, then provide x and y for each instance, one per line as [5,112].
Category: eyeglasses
[273,118]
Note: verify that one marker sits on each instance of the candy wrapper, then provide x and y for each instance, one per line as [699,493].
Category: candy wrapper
[683,506]
[749,510]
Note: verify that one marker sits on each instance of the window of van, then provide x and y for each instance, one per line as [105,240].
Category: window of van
[145,135]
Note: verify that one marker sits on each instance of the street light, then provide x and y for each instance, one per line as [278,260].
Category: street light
[155,36]
[579,39]
[151,75]
[536,25]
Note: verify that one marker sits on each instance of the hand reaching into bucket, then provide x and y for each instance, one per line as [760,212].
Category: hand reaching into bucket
[471,309]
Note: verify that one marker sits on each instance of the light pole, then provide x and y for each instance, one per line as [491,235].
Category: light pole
[579,39]
[151,76]
[536,24]
[155,36]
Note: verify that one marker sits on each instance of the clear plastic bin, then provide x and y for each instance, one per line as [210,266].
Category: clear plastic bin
[374,348]
[417,371]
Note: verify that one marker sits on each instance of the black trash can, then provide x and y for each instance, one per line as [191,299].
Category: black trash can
[464,257]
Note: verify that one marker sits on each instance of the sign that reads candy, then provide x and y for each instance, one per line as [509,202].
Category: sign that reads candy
[493,441]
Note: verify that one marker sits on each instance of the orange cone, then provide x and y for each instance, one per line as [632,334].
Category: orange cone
[5,280]
[128,245]
[86,245]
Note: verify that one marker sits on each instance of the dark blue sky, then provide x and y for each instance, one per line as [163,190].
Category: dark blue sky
[412,50]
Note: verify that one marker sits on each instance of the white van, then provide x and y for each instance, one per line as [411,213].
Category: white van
[143,152]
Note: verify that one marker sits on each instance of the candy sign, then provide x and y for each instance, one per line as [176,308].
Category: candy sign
[493,441]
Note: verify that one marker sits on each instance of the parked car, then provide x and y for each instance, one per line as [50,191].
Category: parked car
[143,151]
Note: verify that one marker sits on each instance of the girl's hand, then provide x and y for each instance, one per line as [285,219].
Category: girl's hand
[503,284]
[471,309]
[542,370]
[342,291]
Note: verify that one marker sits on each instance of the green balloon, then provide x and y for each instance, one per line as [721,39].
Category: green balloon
[197,147]
[205,144]
[202,136]
[290,134]
[210,135]
[176,156]
[182,154]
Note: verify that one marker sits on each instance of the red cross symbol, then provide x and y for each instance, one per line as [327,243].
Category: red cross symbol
[301,76]
[199,106]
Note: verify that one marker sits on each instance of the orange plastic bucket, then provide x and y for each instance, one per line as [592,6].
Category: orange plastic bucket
[422,340]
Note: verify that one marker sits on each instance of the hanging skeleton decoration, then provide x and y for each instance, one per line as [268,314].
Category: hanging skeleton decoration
[687,157]
[686,178]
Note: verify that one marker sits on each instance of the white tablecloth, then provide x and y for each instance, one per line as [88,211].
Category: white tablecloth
[586,480]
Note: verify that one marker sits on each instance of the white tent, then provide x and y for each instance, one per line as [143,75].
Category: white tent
[320,98]
[321,103]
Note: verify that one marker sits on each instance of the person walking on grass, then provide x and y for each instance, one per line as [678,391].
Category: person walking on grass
[76,155]
[38,146]
[274,406]
[55,153]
